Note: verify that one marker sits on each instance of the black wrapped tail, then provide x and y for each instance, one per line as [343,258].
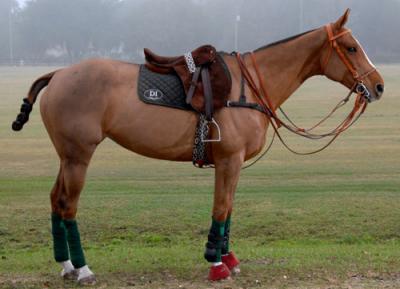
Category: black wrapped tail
[27,106]
[23,116]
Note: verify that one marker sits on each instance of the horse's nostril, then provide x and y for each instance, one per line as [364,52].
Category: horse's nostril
[380,88]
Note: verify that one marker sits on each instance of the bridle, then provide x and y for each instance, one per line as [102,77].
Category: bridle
[263,99]
[358,85]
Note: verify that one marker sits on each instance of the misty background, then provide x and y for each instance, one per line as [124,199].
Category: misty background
[60,32]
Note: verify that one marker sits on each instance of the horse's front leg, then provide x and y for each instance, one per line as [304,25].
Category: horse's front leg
[227,171]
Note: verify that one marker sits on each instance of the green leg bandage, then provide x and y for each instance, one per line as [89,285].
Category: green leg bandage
[60,245]
[225,245]
[74,243]
[215,241]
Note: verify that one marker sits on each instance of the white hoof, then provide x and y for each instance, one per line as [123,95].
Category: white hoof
[68,272]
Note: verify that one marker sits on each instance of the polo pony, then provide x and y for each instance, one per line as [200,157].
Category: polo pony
[87,102]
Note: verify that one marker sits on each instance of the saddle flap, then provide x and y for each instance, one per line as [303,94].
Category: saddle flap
[221,85]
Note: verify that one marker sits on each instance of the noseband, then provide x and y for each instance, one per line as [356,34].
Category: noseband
[358,85]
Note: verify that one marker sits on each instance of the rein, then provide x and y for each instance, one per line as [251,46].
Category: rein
[263,99]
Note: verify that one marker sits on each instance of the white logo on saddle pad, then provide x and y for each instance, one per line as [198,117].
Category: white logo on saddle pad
[153,94]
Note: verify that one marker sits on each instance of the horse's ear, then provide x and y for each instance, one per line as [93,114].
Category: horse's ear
[339,24]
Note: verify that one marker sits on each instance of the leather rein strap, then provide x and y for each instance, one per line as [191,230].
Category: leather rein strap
[263,99]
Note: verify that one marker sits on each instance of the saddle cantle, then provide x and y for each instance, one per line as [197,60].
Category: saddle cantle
[201,70]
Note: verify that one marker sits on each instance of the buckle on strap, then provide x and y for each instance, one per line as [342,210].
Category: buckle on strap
[218,138]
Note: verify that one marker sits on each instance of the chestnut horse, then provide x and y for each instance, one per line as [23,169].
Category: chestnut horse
[87,102]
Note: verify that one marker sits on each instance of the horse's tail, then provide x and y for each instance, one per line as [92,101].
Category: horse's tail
[33,93]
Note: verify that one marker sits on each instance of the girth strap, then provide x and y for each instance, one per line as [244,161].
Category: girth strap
[240,103]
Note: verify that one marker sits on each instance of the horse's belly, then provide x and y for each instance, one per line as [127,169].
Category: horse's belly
[155,131]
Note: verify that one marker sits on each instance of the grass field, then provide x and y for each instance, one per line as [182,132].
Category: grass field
[330,220]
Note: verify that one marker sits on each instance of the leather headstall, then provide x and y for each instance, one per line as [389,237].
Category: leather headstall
[333,44]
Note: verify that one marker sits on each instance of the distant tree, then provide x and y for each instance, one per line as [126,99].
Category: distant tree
[77,26]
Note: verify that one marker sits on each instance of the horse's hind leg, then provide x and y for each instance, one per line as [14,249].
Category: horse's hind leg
[64,200]
[60,243]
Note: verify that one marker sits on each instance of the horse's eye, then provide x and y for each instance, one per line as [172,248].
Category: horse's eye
[352,49]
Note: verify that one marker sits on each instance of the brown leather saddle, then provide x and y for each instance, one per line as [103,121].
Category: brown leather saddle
[204,75]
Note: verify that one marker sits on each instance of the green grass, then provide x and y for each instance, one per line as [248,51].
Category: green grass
[322,219]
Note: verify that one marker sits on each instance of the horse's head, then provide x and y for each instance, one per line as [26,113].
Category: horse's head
[344,60]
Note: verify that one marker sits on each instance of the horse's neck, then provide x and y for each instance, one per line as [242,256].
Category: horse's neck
[287,65]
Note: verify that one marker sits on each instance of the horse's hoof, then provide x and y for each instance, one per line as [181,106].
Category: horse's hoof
[88,281]
[231,262]
[71,275]
[219,272]
[235,270]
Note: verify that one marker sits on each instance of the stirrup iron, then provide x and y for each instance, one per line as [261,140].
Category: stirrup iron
[215,124]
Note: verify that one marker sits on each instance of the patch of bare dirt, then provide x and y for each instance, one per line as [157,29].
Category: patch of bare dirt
[144,282]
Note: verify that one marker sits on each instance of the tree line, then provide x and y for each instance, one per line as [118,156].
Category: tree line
[66,31]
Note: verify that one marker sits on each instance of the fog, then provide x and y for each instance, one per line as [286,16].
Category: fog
[66,31]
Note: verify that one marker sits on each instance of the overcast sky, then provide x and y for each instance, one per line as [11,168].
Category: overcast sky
[121,31]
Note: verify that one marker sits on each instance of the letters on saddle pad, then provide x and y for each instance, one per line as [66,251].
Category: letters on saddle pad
[161,89]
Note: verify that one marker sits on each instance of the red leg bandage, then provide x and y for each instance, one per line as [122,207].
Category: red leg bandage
[230,260]
[219,272]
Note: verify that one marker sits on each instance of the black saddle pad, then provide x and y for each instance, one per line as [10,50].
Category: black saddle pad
[161,89]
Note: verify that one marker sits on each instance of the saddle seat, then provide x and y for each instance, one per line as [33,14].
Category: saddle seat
[211,73]
[202,55]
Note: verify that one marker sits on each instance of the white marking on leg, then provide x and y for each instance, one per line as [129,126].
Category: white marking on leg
[217,264]
[84,272]
[67,267]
